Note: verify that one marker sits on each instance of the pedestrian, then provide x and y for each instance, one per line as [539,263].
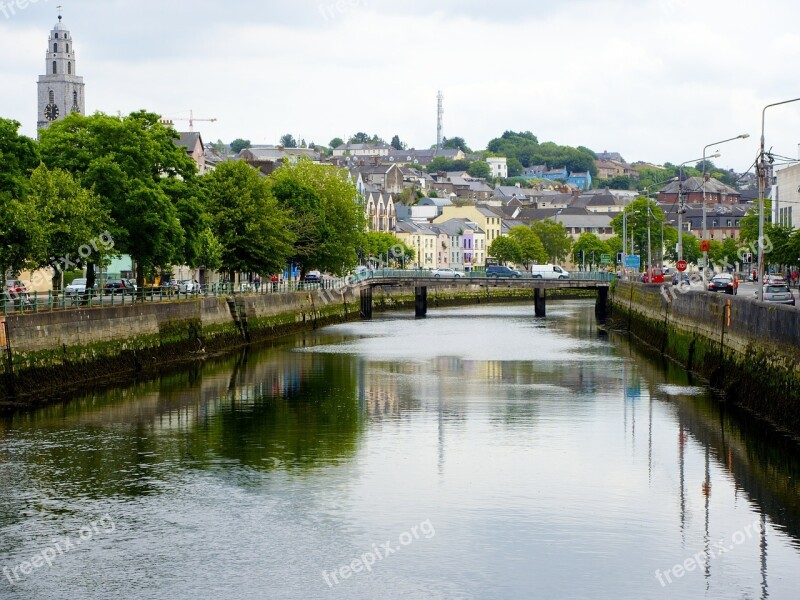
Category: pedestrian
[257,282]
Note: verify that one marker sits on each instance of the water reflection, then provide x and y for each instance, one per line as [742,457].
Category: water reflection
[550,456]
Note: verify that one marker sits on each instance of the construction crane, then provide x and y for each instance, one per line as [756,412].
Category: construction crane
[191,120]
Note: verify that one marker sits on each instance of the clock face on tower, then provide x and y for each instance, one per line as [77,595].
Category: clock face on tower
[51,112]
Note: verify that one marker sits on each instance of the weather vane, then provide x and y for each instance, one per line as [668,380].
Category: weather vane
[58,8]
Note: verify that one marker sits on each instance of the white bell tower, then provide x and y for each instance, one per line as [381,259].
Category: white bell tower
[61,91]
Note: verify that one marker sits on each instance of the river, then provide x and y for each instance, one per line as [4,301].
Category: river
[479,453]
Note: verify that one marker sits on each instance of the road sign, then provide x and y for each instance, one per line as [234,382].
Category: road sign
[606,259]
[681,265]
[633,261]
[705,245]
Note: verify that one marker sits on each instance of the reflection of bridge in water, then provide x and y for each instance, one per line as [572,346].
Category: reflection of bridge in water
[422,281]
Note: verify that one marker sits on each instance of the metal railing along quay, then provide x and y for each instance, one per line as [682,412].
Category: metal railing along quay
[53,301]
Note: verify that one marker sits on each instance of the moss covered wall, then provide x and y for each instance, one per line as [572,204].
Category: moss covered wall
[747,349]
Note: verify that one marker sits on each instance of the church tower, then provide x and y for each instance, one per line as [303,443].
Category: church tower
[60,89]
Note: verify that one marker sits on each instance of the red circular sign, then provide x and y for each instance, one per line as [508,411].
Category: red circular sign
[681,265]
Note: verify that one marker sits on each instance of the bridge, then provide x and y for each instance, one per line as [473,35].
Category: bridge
[422,280]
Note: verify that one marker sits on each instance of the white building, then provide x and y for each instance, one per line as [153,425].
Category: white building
[499,166]
[786,197]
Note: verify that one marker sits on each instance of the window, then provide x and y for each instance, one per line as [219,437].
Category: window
[729,222]
[55,68]
[52,97]
[67,48]
[69,68]
[55,47]
[56,36]
[75,98]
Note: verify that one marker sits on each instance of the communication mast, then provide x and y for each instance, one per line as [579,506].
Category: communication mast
[439,121]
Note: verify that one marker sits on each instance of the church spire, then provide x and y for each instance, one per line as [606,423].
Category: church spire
[61,91]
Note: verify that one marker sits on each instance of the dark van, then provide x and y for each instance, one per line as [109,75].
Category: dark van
[501,271]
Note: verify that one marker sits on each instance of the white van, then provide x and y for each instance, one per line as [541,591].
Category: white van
[548,272]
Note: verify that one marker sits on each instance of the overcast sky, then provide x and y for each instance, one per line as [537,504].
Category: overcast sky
[655,80]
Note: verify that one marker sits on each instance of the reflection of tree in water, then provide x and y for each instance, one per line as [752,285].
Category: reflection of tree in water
[300,411]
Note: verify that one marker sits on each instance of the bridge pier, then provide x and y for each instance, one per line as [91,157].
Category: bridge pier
[540,302]
[366,303]
[421,302]
[601,304]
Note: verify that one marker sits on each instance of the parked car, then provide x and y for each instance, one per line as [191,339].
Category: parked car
[774,280]
[15,286]
[447,272]
[502,271]
[548,271]
[657,275]
[681,278]
[313,277]
[132,284]
[186,286]
[117,286]
[724,282]
[778,293]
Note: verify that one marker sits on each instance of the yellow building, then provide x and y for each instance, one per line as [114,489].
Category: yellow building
[486,217]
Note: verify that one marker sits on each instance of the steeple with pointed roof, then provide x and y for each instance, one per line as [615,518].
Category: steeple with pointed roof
[61,91]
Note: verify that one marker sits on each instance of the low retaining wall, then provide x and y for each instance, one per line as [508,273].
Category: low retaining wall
[54,351]
[747,349]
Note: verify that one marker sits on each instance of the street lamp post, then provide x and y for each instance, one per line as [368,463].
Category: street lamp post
[681,206]
[761,185]
[705,227]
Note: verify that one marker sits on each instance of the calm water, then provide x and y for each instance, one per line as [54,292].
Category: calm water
[480,453]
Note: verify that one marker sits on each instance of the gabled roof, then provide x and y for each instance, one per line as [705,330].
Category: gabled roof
[189,140]
[695,184]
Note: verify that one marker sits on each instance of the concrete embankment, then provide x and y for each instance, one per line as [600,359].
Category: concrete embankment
[749,350]
[50,352]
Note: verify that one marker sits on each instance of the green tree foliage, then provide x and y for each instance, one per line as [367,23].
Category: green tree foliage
[287,141]
[210,250]
[640,213]
[365,138]
[326,219]
[620,182]
[531,249]
[70,219]
[131,164]
[505,250]
[588,249]
[397,144]
[384,246]
[21,234]
[190,201]
[554,237]
[240,144]
[479,168]
[19,155]
[440,163]
[254,230]
[528,151]
[456,143]
[515,167]
[336,142]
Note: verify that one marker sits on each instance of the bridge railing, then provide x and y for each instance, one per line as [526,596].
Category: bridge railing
[473,275]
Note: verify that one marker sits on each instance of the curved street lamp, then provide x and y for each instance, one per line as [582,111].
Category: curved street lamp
[762,168]
[743,136]
[682,206]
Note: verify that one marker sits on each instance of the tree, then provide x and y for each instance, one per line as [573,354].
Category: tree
[254,230]
[360,138]
[397,144]
[504,250]
[131,164]
[480,168]
[620,182]
[288,141]
[386,249]
[588,249]
[21,233]
[326,219]
[239,144]
[336,142]
[72,219]
[554,237]
[531,249]
[440,163]
[456,143]
[515,167]
[640,213]
[210,250]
